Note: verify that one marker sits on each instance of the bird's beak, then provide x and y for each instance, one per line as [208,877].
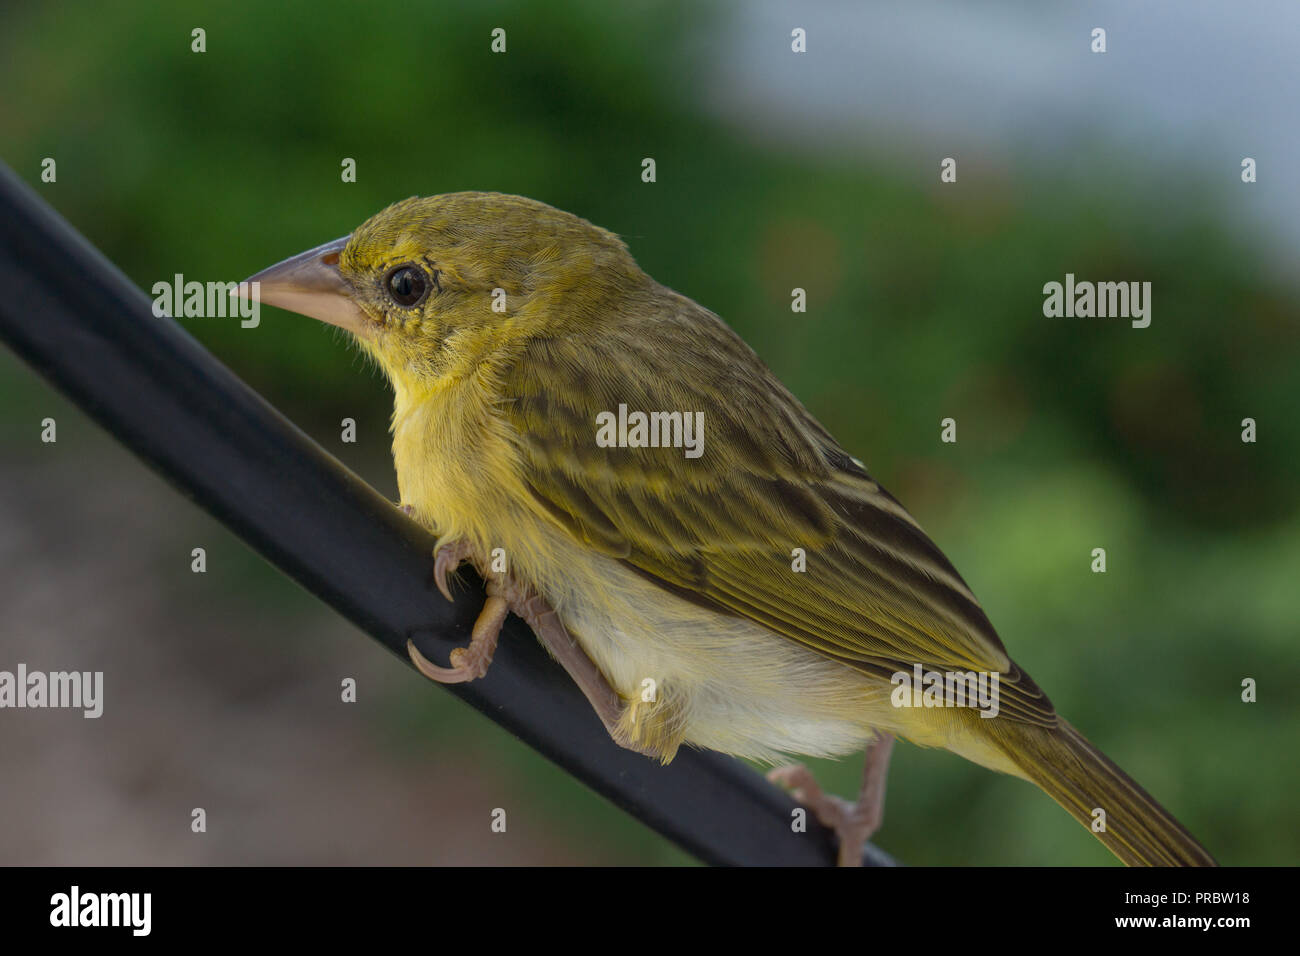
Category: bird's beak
[310,284]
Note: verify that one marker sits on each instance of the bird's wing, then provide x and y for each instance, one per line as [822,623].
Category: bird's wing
[722,529]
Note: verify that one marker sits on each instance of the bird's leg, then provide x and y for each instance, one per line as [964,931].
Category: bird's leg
[507,595]
[854,822]
[555,637]
[467,663]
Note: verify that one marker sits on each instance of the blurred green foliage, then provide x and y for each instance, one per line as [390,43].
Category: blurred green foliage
[924,302]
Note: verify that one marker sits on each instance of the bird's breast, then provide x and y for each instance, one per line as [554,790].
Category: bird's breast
[459,466]
[736,687]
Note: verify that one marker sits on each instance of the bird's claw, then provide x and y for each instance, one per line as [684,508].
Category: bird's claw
[472,662]
[465,666]
[448,559]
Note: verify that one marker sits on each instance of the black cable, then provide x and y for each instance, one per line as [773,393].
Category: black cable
[75,318]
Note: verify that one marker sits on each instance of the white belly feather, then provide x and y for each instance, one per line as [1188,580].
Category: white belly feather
[743,689]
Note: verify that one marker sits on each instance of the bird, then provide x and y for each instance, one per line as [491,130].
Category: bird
[634,482]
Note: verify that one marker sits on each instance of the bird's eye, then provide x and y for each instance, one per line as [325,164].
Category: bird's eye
[407,285]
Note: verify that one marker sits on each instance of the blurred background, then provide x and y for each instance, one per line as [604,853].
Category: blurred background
[775,170]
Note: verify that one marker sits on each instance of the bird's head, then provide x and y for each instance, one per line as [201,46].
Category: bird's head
[430,286]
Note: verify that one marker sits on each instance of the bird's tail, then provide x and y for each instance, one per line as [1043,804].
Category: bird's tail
[1082,779]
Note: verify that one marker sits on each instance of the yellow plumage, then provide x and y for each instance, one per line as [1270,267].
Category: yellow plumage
[507,328]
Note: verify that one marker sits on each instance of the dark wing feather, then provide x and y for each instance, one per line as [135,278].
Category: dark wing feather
[877,595]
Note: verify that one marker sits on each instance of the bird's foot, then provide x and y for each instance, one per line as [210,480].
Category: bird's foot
[506,596]
[854,821]
[472,662]
[447,560]
[467,663]
[852,827]
[555,637]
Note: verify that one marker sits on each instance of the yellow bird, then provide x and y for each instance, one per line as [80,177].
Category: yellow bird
[670,516]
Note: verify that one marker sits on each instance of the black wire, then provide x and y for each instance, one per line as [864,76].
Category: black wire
[75,318]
